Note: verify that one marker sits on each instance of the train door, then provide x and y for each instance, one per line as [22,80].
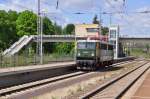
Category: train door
[97,52]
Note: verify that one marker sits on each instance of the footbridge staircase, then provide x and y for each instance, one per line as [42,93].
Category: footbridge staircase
[17,46]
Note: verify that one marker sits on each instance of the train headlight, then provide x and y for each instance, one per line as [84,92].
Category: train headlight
[79,54]
[92,54]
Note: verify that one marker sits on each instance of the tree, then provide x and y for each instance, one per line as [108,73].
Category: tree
[7,28]
[105,30]
[58,29]
[14,25]
[69,29]
[95,20]
[66,47]
[26,23]
[48,28]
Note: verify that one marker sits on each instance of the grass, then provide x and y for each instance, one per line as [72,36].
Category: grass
[139,53]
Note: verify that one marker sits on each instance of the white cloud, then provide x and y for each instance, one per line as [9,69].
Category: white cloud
[18,5]
[132,24]
[76,4]
[135,24]
[113,5]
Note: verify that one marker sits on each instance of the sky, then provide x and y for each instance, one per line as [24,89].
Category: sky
[131,24]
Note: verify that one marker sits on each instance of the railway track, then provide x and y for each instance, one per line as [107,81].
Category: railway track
[115,88]
[10,90]
[21,88]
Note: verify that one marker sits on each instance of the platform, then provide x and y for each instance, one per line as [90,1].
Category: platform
[19,75]
[20,69]
[143,92]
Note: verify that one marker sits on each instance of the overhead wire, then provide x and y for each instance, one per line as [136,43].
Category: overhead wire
[136,12]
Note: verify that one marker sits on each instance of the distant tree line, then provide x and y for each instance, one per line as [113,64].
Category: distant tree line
[14,25]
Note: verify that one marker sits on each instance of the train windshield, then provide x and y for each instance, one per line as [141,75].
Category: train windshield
[86,45]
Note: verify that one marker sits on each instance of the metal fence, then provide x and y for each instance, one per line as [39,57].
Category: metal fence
[26,60]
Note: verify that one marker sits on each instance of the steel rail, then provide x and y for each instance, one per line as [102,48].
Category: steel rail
[106,85]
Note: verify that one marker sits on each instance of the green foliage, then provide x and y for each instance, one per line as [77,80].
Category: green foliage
[14,25]
[69,29]
[7,28]
[58,29]
[147,48]
[26,23]
[95,20]
[139,52]
[64,48]
[48,28]
[49,47]
[105,30]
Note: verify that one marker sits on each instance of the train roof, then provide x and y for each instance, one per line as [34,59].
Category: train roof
[103,42]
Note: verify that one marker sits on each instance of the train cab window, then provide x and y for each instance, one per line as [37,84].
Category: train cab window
[90,45]
[86,45]
[81,45]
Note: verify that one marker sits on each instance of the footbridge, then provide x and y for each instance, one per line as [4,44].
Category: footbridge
[17,46]
[135,42]
[25,40]
[58,38]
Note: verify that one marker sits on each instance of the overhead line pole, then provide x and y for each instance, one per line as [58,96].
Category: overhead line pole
[37,45]
[39,33]
[100,27]
[41,41]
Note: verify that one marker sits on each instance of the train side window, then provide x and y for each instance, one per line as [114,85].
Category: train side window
[103,46]
[110,47]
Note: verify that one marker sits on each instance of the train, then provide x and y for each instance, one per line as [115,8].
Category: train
[93,54]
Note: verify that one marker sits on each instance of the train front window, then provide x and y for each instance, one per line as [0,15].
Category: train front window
[90,45]
[81,45]
[86,45]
